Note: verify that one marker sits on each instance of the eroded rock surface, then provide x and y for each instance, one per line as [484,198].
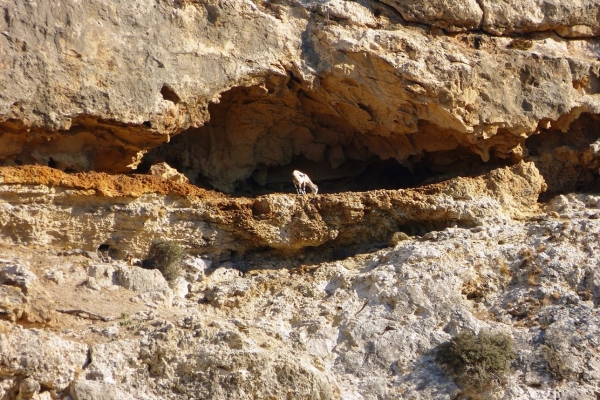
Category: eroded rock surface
[568,18]
[127,220]
[365,327]
[95,85]
[50,360]
[117,79]
[457,15]
[433,130]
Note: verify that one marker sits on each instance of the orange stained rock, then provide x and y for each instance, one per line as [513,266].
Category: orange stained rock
[104,184]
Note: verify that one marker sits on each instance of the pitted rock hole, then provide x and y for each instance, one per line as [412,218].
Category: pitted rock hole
[169,94]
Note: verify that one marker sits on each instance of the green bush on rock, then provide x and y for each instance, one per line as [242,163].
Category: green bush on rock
[165,256]
[477,361]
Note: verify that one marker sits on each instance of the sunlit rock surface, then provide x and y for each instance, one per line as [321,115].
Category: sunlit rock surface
[251,87]
[456,146]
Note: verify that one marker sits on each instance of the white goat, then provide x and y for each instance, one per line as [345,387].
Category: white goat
[301,180]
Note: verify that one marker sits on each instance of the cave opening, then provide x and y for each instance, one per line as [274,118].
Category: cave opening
[566,154]
[258,135]
[343,136]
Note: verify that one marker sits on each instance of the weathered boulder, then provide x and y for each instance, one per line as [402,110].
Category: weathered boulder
[95,390]
[140,279]
[150,283]
[23,296]
[104,275]
[18,275]
[12,302]
[454,16]
[165,171]
[43,356]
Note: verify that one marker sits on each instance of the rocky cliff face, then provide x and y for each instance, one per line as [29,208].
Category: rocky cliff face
[334,86]
[451,142]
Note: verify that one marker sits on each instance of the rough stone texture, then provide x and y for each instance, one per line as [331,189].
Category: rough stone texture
[28,389]
[140,279]
[568,18]
[19,276]
[470,92]
[298,296]
[578,18]
[94,390]
[365,327]
[23,298]
[165,171]
[68,66]
[43,356]
[11,303]
[457,15]
[151,285]
[283,222]
[94,85]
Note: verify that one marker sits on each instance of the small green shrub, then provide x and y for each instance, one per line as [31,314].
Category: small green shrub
[165,256]
[477,361]
[556,364]
[125,321]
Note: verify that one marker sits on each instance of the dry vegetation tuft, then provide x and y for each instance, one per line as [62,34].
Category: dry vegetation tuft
[477,361]
[165,256]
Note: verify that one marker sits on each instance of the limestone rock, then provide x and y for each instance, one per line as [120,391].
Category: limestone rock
[196,268]
[160,100]
[165,171]
[141,280]
[224,273]
[104,275]
[398,237]
[19,276]
[283,222]
[235,94]
[27,298]
[454,16]
[228,293]
[113,362]
[350,12]
[332,79]
[568,18]
[153,288]
[229,363]
[55,276]
[28,389]
[95,390]
[12,303]
[365,327]
[42,356]
[180,287]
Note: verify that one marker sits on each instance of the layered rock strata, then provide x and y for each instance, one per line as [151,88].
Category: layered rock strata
[344,295]
[126,213]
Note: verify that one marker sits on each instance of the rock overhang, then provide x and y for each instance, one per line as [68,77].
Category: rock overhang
[335,90]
